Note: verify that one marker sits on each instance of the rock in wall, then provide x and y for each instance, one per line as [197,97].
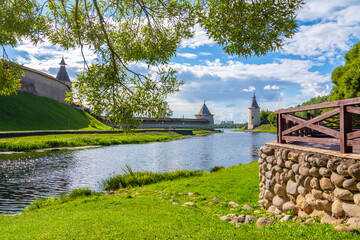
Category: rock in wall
[308,182]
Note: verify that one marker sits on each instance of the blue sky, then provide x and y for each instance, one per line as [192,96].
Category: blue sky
[290,76]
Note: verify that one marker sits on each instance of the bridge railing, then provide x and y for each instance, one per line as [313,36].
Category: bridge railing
[339,124]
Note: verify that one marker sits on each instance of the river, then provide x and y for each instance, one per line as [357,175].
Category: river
[24,177]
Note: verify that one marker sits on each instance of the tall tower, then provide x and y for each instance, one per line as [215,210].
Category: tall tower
[205,113]
[62,75]
[254,114]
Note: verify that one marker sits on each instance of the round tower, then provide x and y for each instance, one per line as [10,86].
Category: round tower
[62,75]
[254,114]
[205,113]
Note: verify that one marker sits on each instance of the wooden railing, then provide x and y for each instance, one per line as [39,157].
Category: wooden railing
[338,125]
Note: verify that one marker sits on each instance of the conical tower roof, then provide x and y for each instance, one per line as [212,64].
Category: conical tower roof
[204,110]
[254,103]
[62,74]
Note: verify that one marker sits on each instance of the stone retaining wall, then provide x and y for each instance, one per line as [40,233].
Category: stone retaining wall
[309,182]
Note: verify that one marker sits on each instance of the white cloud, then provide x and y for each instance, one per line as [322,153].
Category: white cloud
[187,55]
[205,54]
[250,89]
[273,87]
[330,30]
[200,39]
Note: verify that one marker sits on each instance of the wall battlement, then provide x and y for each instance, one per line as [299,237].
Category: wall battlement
[309,182]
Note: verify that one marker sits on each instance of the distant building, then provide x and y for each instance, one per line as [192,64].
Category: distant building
[203,120]
[230,122]
[254,114]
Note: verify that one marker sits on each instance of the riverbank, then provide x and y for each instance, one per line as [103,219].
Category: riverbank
[160,211]
[18,144]
[267,128]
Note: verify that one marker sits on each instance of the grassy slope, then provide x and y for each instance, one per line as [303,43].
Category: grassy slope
[262,128]
[147,213]
[26,111]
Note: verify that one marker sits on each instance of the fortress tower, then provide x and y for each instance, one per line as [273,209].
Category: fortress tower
[206,114]
[62,75]
[254,114]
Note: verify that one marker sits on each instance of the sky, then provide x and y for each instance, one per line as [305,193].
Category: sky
[299,71]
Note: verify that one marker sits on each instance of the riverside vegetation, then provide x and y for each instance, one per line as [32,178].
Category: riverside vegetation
[182,208]
[74,140]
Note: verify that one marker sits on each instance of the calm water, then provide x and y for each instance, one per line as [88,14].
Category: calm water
[25,177]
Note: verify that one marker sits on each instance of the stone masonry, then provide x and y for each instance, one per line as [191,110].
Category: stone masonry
[309,182]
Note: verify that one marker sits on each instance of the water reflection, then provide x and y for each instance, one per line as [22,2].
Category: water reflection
[25,177]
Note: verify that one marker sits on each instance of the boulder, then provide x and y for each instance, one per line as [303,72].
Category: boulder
[260,161]
[331,220]
[333,163]
[277,177]
[304,171]
[279,190]
[354,222]
[291,175]
[226,218]
[279,201]
[314,171]
[302,190]
[291,187]
[263,221]
[337,179]
[342,169]
[269,175]
[246,207]
[326,184]
[234,204]
[351,209]
[337,209]
[267,150]
[290,206]
[288,164]
[284,154]
[188,204]
[314,183]
[350,184]
[293,156]
[323,205]
[343,194]
[295,168]
[270,159]
[287,218]
[354,171]
[325,172]
[316,193]
[307,183]
[250,218]
[321,162]
[346,229]
[357,199]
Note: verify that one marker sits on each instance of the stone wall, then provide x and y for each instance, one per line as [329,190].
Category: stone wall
[44,85]
[309,182]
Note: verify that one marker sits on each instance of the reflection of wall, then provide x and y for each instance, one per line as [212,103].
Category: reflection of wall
[42,84]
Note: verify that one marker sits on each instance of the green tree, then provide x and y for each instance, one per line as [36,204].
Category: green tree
[264,115]
[346,79]
[272,119]
[123,33]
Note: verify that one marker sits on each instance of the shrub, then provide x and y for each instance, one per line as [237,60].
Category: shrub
[216,169]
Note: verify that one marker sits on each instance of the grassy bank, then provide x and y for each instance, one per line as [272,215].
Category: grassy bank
[262,128]
[149,212]
[76,140]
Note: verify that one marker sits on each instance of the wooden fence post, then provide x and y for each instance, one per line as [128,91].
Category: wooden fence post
[345,127]
[280,128]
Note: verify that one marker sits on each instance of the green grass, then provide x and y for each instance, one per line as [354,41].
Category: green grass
[74,140]
[136,179]
[148,213]
[25,112]
[262,128]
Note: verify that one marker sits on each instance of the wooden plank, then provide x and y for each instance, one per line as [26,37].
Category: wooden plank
[345,128]
[353,143]
[353,135]
[303,123]
[331,141]
[352,109]
[345,102]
